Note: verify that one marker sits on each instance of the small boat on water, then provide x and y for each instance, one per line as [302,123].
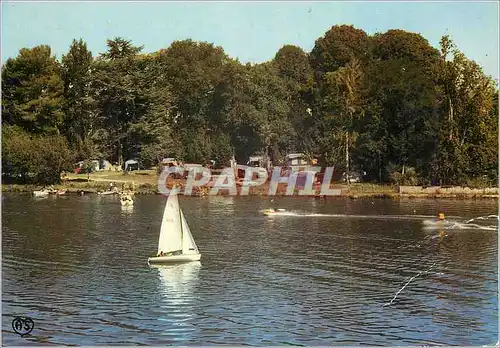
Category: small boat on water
[176,243]
[272,211]
[126,200]
[439,223]
[46,192]
[105,193]
[41,193]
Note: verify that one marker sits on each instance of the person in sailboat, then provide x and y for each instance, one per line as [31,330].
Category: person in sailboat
[173,253]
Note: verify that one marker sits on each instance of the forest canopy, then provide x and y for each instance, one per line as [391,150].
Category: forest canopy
[388,104]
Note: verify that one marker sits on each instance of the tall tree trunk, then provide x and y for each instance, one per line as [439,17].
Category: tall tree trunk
[120,154]
[450,118]
[462,142]
[379,168]
[267,154]
[347,156]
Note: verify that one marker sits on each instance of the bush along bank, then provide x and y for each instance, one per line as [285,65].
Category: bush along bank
[353,191]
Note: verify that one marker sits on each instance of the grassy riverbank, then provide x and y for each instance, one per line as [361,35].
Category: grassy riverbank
[145,182]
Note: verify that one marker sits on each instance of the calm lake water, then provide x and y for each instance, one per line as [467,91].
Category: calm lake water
[324,276]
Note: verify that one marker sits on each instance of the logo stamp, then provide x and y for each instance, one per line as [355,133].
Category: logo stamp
[23,325]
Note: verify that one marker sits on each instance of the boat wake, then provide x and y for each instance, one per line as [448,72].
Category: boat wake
[430,222]
[454,224]
[342,216]
[441,225]
[487,217]
[407,283]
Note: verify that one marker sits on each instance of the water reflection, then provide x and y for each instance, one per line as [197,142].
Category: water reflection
[177,308]
[127,209]
[178,281]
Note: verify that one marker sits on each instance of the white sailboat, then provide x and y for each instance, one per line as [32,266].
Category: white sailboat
[126,200]
[176,244]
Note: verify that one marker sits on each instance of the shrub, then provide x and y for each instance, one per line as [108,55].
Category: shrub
[408,177]
[32,158]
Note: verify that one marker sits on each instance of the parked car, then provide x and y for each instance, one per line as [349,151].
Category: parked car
[354,176]
[255,161]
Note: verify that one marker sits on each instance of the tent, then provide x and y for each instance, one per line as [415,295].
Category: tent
[104,165]
[132,165]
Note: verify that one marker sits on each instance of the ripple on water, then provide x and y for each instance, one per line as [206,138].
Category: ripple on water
[79,267]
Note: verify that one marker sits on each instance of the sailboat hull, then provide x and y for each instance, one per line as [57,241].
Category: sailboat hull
[175,258]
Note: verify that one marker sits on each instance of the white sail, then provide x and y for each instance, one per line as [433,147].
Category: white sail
[188,244]
[170,233]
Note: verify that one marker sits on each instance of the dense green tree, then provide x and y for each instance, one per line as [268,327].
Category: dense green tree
[79,106]
[389,104]
[469,118]
[402,105]
[399,127]
[242,115]
[195,71]
[260,113]
[150,135]
[344,100]
[133,104]
[338,46]
[292,65]
[403,45]
[32,91]
[120,48]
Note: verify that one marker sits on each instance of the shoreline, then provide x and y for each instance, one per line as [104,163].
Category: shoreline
[353,191]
